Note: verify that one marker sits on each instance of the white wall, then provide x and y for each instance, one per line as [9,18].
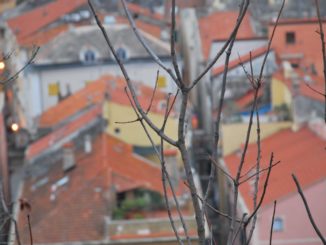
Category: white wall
[240,48]
[77,76]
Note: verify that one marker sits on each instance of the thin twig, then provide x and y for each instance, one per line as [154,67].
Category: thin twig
[212,208]
[127,122]
[239,228]
[264,190]
[128,81]
[164,176]
[172,42]
[271,230]
[153,94]
[315,90]
[146,47]
[243,11]
[257,177]
[220,168]
[322,39]
[308,209]
[30,61]
[258,173]
[30,229]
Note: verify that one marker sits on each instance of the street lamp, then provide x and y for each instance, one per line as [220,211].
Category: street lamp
[2,65]
[14,127]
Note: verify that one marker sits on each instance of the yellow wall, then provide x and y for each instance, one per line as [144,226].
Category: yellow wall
[133,133]
[280,94]
[5,5]
[234,134]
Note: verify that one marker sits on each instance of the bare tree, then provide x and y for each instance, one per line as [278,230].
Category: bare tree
[199,200]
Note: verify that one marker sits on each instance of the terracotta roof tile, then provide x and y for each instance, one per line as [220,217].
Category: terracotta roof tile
[94,93]
[219,25]
[75,211]
[301,153]
[247,99]
[316,83]
[135,8]
[41,145]
[243,59]
[43,37]
[32,21]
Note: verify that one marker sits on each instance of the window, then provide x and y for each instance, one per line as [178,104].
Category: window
[290,37]
[122,54]
[278,224]
[89,56]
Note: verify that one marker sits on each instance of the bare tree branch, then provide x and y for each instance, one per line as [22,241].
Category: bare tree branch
[128,81]
[165,174]
[271,230]
[153,94]
[322,39]
[264,190]
[257,175]
[147,48]
[173,54]
[14,77]
[315,90]
[186,161]
[239,228]
[308,209]
[242,13]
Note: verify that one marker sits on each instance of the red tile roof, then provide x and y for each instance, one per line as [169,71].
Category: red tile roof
[301,153]
[31,22]
[94,93]
[43,37]
[243,59]
[149,28]
[45,143]
[137,9]
[247,99]
[219,25]
[316,83]
[78,207]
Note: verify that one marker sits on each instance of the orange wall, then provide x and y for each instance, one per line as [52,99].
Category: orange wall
[307,41]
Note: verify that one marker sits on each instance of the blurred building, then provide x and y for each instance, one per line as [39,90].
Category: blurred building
[301,152]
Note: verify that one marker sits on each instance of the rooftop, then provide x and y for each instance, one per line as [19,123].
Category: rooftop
[83,194]
[300,152]
[223,23]
[32,21]
[304,79]
[76,40]
[94,93]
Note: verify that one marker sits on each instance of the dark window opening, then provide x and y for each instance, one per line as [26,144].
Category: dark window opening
[89,56]
[294,65]
[290,37]
[122,54]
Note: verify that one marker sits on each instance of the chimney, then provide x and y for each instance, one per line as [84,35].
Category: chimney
[68,157]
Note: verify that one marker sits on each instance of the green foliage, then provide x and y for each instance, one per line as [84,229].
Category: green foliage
[144,201]
[118,213]
[136,204]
